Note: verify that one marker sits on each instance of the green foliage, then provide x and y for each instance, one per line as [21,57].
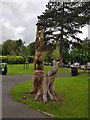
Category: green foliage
[47,57]
[84,52]
[4,59]
[8,47]
[17,48]
[55,54]
[44,54]
[31,59]
[25,53]
[80,54]
[12,59]
[31,48]
[66,18]
[19,59]
[48,64]
[11,47]
[73,93]
[66,56]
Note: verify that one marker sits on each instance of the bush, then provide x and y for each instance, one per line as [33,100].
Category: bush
[20,60]
[15,59]
[4,59]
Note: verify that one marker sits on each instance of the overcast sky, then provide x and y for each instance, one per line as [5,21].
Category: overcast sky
[19,20]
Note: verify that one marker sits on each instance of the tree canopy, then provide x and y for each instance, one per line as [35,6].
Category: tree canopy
[12,47]
[63,20]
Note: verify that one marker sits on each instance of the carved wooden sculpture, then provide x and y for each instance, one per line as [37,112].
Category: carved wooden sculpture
[43,85]
[48,84]
[38,65]
[38,60]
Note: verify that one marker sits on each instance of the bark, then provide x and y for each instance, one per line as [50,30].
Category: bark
[61,40]
[61,51]
[38,76]
[43,84]
[48,85]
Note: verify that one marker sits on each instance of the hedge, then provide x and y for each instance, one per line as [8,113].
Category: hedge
[16,59]
[19,60]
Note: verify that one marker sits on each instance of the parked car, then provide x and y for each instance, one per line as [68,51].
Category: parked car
[76,64]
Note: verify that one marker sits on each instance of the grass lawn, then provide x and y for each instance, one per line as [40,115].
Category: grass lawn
[73,91]
[18,69]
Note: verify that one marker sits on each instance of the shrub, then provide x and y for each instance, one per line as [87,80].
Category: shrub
[4,59]
[20,60]
[15,59]
[31,59]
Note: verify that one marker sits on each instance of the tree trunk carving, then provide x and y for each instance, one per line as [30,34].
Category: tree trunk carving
[43,84]
[48,84]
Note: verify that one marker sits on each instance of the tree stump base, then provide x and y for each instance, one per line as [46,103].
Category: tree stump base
[38,76]
[43,84]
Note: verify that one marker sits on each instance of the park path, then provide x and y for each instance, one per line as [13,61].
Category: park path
[14,109]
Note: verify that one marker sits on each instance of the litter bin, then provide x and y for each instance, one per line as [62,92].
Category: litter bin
[74,71]
[3,68]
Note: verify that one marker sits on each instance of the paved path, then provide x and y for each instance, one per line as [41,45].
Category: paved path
[14,109]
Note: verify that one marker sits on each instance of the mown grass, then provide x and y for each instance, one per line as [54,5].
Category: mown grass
[73,91]
[18,69]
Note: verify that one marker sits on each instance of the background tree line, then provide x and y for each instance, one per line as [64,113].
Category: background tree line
[14,51]
[72,52]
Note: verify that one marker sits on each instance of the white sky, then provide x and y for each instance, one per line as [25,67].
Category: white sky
[19,20]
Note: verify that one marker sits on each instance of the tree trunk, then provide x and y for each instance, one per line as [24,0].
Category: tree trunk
[61,49]
[43,85]
[61,40]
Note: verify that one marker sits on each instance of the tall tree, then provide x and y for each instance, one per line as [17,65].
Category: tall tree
[18,46]
[63,20]
[8,47]
[80,52]
[12,47]
[31,48]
